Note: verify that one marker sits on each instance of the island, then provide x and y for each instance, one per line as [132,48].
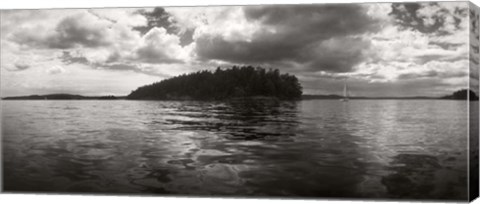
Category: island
[237,82]
[463,94]
[221,84]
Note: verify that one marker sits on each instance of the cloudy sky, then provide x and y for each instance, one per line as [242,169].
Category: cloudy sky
[382,49]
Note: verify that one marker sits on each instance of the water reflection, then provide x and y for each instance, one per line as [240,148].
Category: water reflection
[238,120]
[422,177]
[368,149]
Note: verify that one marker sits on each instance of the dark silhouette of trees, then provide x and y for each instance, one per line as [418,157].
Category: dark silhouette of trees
[235,82]
[462,95]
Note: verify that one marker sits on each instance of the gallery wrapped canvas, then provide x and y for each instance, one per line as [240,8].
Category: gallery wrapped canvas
[371,101]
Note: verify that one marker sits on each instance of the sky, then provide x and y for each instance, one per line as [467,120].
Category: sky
[380,49]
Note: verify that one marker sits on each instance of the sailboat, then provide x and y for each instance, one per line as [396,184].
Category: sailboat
[345,92]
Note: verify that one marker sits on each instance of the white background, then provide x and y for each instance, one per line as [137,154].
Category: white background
[83,199]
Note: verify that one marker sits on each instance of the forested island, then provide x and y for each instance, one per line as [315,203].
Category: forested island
[235,82]
[462,95]
[232,83]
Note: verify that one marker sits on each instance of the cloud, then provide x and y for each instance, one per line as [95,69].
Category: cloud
[373,45]
[68,58]
[155,47]
[388,72]
[133,68]
[94,37]
[160,47]
[81,28]
[439,18]
[474,50]
[337,54]
[55,70]
[21,66]
[158,18]
[287,33]
[128,17]
[395,47]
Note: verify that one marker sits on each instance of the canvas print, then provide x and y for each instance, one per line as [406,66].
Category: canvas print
[346,101]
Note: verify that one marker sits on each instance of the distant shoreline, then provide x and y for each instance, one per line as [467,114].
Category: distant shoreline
[303,98]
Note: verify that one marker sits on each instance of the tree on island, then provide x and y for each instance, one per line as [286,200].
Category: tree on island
[235,82]
[462,95]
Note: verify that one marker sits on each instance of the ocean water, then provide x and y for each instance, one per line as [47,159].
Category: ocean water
[397,149]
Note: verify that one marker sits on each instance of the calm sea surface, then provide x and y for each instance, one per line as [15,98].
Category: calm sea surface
[316,148]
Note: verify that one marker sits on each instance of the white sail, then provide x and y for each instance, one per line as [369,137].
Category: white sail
[345,92]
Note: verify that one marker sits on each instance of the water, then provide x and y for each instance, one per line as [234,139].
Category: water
[413,149]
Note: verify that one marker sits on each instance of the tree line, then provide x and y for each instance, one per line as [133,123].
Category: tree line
[234,82]
[463,94]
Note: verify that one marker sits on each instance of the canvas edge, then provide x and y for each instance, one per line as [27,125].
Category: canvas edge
[473,163]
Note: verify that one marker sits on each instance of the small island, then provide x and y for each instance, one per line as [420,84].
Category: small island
[463,94]
[237,82]
[221,84]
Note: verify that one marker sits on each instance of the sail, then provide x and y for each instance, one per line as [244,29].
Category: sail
[345,92]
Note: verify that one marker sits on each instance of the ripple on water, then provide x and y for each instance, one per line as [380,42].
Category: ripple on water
[310,148]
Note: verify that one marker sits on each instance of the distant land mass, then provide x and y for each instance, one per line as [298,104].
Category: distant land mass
[63,97]
[458,95]
[235,82]
[315,97]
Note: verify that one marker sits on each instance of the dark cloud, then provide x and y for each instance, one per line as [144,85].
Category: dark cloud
[114,57]
[159,18]
[337,54]
[297,29]
[474,37]
[21,66]
[82,30]
[319,21]
[154,55]
[422,59]
[446,45]
[474,16]
[406,15]
[156,18]
[474,60]
[186,37]
[267,50]
[474,51]
[431,74]
[71,32]
[67,58]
